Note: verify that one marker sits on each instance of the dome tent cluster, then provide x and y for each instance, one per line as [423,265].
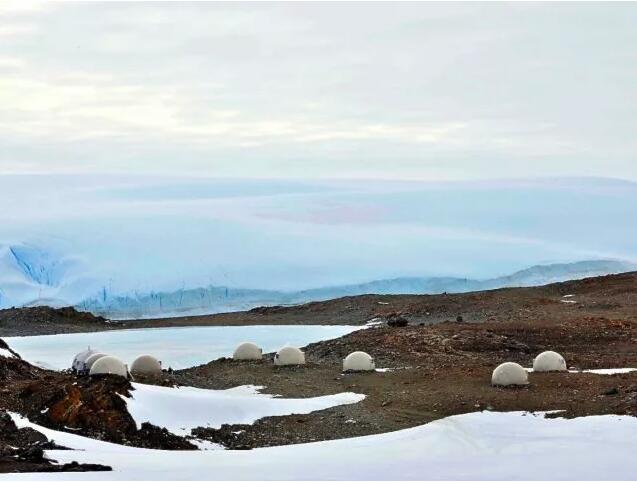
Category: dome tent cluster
[357,361]
[549,361]
[146,365]
[289,355]
[513,374]
[508,374]
[109,365]
[79,364]
[247,351]
[91,362]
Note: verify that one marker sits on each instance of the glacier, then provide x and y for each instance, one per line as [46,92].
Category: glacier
[138,246]
[218,299]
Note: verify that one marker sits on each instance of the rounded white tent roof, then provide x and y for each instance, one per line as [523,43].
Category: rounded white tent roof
[79,360]
[146,364]
[289,355]
[359,361]
[247,351]
[509,374]
[109,365]
[549,361]
[90,361]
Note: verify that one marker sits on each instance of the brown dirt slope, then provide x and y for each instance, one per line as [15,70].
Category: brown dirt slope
[613,295]
[439,370]
[43,320]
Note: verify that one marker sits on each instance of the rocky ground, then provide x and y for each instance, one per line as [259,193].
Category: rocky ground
[22,450]
[606,296]
[440,352]
[62,401]
[43,320]
[437,371]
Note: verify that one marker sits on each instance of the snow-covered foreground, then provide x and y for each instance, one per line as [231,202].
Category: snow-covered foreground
[478,446]
[175,347]
[184,408]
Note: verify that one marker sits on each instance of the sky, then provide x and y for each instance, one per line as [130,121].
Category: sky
[303,90]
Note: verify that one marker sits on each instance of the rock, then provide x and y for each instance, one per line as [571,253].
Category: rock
[161,437]
[34,453]
[612,391]
[23,450]
[396,320]
[75,467]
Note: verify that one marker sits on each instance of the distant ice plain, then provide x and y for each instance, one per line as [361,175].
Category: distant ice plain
[101,236]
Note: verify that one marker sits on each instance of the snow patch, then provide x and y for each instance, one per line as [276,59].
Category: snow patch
[181,409]
[610,371]
[6,353]
[598,371]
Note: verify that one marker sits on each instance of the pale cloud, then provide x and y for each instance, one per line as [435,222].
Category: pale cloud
[17,29]
[11,63]
[346,90]
[79,106]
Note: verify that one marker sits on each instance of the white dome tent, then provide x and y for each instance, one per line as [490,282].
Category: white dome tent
[146,365]
[289,355]
[90,361]
[509,374]
[549,361]
[359,361]
[109,365]
[79,361]
[247,351]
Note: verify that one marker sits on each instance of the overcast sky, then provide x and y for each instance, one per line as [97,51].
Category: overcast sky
[449,91]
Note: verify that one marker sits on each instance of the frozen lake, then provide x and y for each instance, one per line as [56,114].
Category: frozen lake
[175,347]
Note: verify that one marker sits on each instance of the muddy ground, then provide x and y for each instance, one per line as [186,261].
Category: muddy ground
[437,368]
